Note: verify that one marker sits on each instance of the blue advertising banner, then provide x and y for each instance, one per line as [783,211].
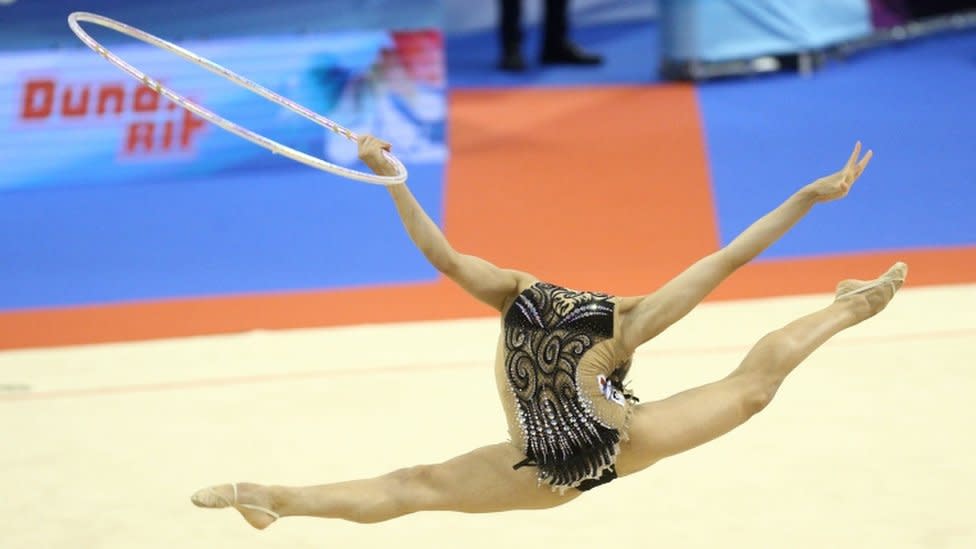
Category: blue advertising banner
[71,118]
[723,30]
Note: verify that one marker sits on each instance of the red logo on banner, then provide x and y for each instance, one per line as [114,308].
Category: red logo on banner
[47,99]
[421,53]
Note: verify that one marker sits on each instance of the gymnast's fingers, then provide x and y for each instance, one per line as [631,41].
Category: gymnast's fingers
[854,155]
[864,162]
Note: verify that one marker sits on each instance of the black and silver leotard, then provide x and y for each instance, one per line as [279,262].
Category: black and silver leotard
[560,375]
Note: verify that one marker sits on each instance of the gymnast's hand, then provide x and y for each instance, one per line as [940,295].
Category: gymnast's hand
[837,185]
[371,153]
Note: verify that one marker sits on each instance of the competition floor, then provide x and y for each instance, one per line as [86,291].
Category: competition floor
[869,443]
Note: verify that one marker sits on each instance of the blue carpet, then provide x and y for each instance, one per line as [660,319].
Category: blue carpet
[277,231]
[912,104]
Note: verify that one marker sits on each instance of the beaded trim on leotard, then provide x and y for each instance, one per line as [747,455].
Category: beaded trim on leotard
[548,329]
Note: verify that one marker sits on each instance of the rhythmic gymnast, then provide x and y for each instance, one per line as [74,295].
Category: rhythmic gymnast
[561,361]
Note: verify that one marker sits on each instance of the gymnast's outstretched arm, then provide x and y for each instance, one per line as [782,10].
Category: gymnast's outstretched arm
[486,282]
[644,317]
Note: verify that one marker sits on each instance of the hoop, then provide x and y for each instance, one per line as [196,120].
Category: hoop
[240,131]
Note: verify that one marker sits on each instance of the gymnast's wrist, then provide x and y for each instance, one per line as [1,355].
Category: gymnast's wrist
[807,196]
[382,167]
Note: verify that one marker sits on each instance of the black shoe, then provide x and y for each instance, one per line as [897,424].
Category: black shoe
[569,54]
[512,62]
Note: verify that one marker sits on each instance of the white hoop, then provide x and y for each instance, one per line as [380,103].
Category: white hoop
[257,139]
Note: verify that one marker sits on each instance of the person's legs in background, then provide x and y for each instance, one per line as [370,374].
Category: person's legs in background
[510,30]
[556,46]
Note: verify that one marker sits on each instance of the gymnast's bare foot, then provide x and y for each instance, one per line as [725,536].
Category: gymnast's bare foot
[869,297]
[252,501]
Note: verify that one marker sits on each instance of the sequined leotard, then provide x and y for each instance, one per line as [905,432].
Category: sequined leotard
[560,376]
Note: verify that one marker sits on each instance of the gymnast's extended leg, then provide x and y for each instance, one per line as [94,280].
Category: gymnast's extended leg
[481,481]
[691,418]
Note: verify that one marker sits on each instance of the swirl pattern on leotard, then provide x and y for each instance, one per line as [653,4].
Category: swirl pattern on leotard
[548,329]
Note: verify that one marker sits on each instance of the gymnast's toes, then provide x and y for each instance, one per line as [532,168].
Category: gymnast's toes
[252,501]
[212,498]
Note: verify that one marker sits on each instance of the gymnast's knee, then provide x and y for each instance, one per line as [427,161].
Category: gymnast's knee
[756,392]
[763,360]
[414,488]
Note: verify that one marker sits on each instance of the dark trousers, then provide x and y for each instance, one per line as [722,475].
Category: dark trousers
[929,8]
[556,25]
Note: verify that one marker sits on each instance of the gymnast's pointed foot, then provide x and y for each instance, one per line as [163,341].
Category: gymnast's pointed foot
[258,511]
[870,297]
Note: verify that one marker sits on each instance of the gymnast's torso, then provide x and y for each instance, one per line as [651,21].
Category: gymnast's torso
[560,373]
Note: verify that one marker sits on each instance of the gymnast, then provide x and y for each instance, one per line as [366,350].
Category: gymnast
[561,361]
